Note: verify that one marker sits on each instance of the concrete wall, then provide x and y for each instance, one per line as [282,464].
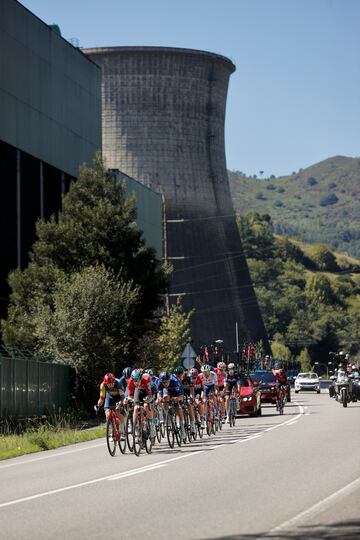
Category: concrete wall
[49,92]
[149,211]
[163,113]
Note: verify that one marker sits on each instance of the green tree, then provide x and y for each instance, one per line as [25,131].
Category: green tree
[96,227]
[174,334]
[318,289]
[281,351]
[324,258]
[89,323]
[304,359]
[256,233]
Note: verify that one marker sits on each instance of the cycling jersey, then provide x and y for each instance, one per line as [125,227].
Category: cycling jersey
[209,380]
[144,383]
[174,389]
[221,376]
[111,395]
[123,384]
[187,384]
[281,379]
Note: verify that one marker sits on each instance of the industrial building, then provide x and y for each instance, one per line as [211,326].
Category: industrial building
[50,124]
[163,113]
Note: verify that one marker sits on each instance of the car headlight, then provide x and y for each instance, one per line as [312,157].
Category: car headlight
[247,398]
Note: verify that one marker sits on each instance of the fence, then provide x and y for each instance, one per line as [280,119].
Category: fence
[31,385]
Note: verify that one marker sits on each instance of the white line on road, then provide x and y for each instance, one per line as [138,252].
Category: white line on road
[96,480]
[316,508]
[13,464]
[125,473]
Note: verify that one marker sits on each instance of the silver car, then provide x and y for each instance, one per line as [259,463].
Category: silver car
[307,381]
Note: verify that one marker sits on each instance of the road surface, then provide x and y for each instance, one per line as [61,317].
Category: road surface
[294,476]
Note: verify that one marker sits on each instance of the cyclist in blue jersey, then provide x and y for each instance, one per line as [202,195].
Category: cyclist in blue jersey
[170,387]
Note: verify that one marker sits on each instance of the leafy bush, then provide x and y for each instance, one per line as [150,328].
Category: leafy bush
[260,196]
[328,199]
[270,187]
[332,185]
[311,181]
[281,190]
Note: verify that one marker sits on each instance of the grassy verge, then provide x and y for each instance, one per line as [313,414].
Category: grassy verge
[44,438]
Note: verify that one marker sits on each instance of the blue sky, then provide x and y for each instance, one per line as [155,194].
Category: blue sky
[294,98]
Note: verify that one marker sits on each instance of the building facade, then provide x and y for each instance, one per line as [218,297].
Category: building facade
[50,124]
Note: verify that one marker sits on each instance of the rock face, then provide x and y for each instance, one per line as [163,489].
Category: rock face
[163,113]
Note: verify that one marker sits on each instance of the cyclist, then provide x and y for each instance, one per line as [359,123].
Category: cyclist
[281,380]
[209,385]
[124,379]
[111,396]
[220,371]
[195,392]
[171,387]
[188,387]
[231,384]
[139,390]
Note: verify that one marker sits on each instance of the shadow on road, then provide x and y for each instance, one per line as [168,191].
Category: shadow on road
[341,530]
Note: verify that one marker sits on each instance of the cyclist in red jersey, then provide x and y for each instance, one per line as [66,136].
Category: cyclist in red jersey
[281,380]
[139,389]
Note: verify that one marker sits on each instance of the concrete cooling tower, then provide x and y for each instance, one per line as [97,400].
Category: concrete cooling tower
[163,112]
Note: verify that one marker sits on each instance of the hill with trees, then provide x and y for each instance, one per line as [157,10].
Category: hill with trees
[309,296]
[319,204]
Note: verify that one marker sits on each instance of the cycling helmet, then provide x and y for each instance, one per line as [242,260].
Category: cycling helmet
[205,368]
[281,371]
[136,374]
[231,366]
[164,376]
[221,365]
[193,373]
[149,372]
[127,372]
[179,370]
[109,378]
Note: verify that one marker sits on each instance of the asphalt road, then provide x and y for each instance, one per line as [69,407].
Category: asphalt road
[294,476]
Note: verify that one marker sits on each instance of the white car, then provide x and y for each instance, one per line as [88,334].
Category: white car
[307,381]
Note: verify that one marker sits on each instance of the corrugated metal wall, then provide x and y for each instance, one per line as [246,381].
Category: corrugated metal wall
[33,388]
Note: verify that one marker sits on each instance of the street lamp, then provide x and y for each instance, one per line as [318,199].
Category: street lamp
[325,366]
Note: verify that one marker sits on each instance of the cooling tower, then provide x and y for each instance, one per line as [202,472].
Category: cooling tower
[163,112]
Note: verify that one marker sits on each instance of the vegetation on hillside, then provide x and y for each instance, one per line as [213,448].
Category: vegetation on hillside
[308,296]
[319,204]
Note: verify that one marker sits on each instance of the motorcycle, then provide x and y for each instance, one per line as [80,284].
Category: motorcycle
[342,389]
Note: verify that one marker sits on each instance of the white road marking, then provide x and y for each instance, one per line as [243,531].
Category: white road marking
[125,473]
[96,480]
[316,508]
[14,464]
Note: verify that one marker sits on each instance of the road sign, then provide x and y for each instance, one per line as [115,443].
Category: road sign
[188,352]
[188,355]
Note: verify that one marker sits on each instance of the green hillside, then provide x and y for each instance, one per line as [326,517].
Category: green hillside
[318,204]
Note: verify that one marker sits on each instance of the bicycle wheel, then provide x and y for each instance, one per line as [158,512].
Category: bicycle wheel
[187,425]
[208,426]
[170,430]
[200,430]
[177,430]
[137,435]
[158,431]
[130,433]
[111,436]
[147,440]
[220,422]
[122,442]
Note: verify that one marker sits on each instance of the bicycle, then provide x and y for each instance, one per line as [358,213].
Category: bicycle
[232,410]
[141,431]
[280,401]
[113,435]
[173,430]
[129,426]
[210,422]
[199,428]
